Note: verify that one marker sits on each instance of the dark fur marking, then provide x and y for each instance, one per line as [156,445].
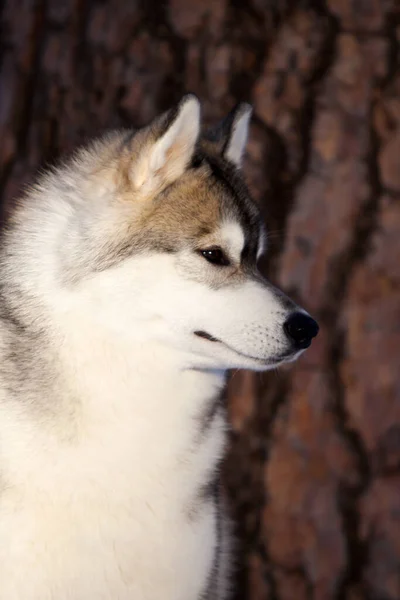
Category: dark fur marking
[241,204]
[205,491]
[9,316]
[204,494]
[113,254]
[197,160]
[207,418]
[208,490]
[206,336]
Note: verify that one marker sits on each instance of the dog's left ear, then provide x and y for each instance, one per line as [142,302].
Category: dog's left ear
[170,147]
[230,136]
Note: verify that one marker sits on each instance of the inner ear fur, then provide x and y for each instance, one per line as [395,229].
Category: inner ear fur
[169,148]
[229,137]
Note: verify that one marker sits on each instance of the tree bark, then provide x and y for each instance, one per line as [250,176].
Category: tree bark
[314,469]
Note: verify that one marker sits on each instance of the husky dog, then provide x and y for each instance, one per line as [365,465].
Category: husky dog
[128,287]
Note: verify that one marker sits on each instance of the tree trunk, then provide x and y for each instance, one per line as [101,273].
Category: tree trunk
[314,469]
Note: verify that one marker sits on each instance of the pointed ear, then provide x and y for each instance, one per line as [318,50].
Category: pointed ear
[230,136]
[167,154]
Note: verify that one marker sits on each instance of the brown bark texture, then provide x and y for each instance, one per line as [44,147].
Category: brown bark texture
[313,473]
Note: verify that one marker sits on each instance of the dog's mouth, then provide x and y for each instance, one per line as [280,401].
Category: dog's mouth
[206,336]
[270,361]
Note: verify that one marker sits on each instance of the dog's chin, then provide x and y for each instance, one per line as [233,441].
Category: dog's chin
[234,359]
[270,362]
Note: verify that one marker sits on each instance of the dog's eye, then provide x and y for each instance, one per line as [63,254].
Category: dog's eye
[215,256]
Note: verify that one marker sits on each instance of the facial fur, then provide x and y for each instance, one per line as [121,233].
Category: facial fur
[136,218]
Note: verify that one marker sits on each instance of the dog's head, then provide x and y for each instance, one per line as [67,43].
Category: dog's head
[158,240]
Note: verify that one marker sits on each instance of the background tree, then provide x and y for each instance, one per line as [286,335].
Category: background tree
[314,471]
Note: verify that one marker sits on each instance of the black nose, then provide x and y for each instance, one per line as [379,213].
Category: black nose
[301,329]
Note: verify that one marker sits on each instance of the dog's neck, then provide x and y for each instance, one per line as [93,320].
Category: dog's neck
[118,404]
[143,381]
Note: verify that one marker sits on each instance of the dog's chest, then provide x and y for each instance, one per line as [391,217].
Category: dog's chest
[124,515]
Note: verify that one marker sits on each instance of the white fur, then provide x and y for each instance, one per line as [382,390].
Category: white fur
[232,237]
[97,504]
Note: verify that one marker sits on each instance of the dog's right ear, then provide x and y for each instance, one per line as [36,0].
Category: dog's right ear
[170,148]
